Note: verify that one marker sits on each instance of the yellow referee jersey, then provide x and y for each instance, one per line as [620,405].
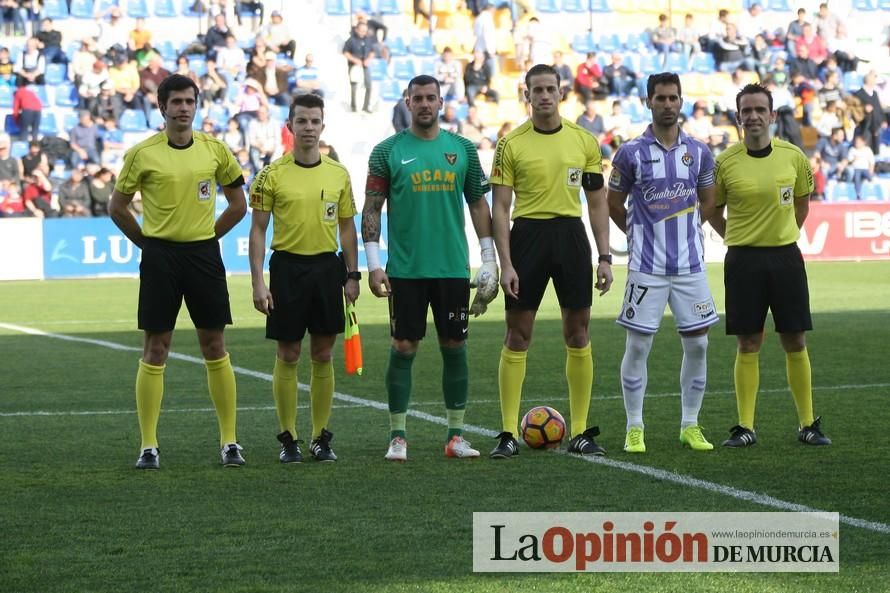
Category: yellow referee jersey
[545,168]
[306,202]
[759,193]
[178,185]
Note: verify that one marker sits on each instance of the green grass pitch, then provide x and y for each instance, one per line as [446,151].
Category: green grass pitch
[77,518]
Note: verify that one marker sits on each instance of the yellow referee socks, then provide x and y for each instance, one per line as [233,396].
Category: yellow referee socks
[747,382]
[149,393]
[284,391]
[800,380]
[579,374]
[511,375]
[221,383]
[321,392]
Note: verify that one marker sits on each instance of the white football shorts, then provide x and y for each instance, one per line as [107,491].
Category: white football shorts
[646,295]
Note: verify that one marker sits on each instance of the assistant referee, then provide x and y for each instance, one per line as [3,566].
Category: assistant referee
[177,172]
[764,184]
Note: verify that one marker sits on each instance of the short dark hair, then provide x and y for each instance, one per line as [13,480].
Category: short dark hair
[423,80]
[752,89]
[308,100]
[663,78]
[174,82]
[537,70]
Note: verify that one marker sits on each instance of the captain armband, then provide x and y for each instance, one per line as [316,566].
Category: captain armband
[592,181]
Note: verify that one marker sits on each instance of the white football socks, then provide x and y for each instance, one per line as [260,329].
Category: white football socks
[634,375]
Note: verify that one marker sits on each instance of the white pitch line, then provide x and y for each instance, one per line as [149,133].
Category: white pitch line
[652,472]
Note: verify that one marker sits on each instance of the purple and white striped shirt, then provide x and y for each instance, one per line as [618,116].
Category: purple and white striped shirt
[664,235]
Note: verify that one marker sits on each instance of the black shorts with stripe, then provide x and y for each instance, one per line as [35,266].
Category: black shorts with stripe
[758,279]
[411,298]
[553,248]
[307,294]
[170,272]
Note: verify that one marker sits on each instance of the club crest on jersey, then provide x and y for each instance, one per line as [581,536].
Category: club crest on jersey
[786,195]
[330,211]
[630,313]
[615,177]
[686,159]
[451,157]
[204,190]
[573,177]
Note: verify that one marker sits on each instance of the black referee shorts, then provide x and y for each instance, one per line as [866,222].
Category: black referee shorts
[307,293]
[412,298]
[554,248]
[758,279]
[170,271]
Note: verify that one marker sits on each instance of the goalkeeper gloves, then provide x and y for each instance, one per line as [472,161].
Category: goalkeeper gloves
[486,280]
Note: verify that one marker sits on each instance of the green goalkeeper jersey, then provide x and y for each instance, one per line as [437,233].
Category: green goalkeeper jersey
[425,183]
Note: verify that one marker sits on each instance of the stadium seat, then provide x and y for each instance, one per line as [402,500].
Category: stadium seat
[10,126]
[40,91]
[575,5]
[48,124]
[853,81]
[389,7]
[404,69]
[703,62]
[637,42]
[336,7]
[133,120]
[778,5]
[82,9]
[650,63]
[198,65]
[608,42]
[137,9]
[165,9]
[678,63]
[66,95]
[397,46]
[279,112]
[187,6]
[843,192]
[69,119]
[365,6]
[166,49]
[864,5]
[422,46]
[547,6]
[600,6]
[219,114]
[19,149]
[583,43]
[635,111]
[5,97]
[884,4]
[391,90]
[55,74]
[102,6]
[872,191]
[55,9]
[378,69]
[155,120]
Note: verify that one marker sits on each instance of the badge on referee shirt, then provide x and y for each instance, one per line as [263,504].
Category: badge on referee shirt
[330,211]
[573,177]
[204,190]
[786,195]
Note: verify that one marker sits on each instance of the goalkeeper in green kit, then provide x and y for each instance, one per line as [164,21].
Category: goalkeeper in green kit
[425,176]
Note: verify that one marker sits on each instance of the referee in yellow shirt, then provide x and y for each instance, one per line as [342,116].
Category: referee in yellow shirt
[177,172]
[764,184]
[547,162]
[309,198]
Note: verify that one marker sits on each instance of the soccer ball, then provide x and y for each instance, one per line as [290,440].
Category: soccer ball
[543,428]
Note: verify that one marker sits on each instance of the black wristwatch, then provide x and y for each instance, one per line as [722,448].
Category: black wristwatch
[605,259]
[354,275]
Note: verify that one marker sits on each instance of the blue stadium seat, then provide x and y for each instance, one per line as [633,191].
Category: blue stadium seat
[404,69]
[600,6]
[55,9]
[55,74]
[246,11]
[336,7]
[186,9]
[650,63]
[219,114]
[40,91]
[378,69]
[82,9]
[133,120]
[852,81]
[66,95]
[872,191]
[198,65]
[389,7]
[843,192]
[365,6]
[422,46]
[69,119]
[137,9]
[609,42]
[19,149]
[778,5]
[166,49]
[635,111]
[884,4]
[397,46]
[391,90]
[704,63]
[280,112]
[155,120]
[864,5]
[103,5]
[71,49]
[48,124]
[10,126]
[574,5]
[546,6]
[5,97]
[198,121]
[165,8]
[583,43]
[677,63]
[638,41]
